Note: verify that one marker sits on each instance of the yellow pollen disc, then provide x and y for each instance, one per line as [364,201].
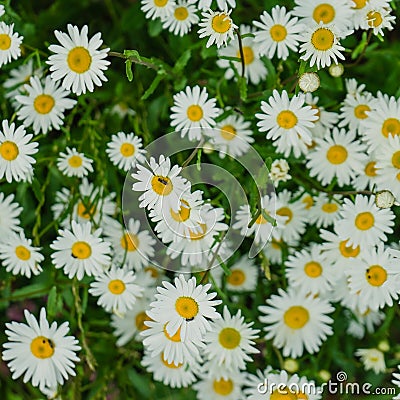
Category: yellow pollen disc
[376,275]
[43,103]
[275,245]
[170,365]
[236,278]
[285,212]
[162,185]
[313,269]
[348,251]
[127,149]
[301,396]
[5,41]
[374,19]
[195,235]
[221,23]
[370,169]
[183,214]
[359,4]
[296,317]
[283,393]
[330,207]
[194,113]
[181,13]
[79,60]
[228,132]
[278,33]
[9,150]
[160,3]
[323,39]
[42,347]
[396,159]
[391,126]
[75,161]
[81,250]
[248,55]
[229,338]
[140,320]
[336,154]
[83,212]
[116,286]
[22,253]
[398,176]
[153,272]
[360,111]
[324,12]
[129,242]
[261,220]
[286,119]
[364,221]
[175,338]
[308,201]
[223,387]
[186,307]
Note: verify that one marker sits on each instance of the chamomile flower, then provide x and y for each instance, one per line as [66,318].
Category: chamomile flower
[80,252]
[377,19]
[362,322]
[372,359]
[363,223]
[42,353]
[325,210]
[78,62]
[157,8]
[43,106]
[117,290]
[218,26]
[296,323]
[367,177]
[19,256]
[273,251]
[180,21]
[193,112]
[74,163]
[9,215]
[338,155]
[287,122]
[277,33]
[185,306]
[10,43]
[16,162]
[125,150]
[243,276]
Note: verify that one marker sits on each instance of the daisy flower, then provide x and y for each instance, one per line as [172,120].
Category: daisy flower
[73,163]
[363,223]
[78,61]
[16,162]
[193,112]
[273,251]
[44,105]
[183,17]
[185,306]
[39,351]
[80,252]
[377,19]
[296,323]
[10,43]
[338,155]
[372,359]
[277,33]
[243,276]
[396,377]
[218,25]
[19,256]
[287,122]
[9,215]
[255,70]
[157,8]
[364,322]
[367,177]
[325,210]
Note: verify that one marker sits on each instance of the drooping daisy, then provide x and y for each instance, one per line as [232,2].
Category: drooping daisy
[44,105]
[10,43]
[74,163]
[39,351]
[16,162]
[377,18]
[287,122]
[296,323]
[193,112]
[325,210]
[157,8]
[9,215]
[363,223]
[372,359]
[80,252]
[218,25]
[78,61]
[183,17]
[338,156]
[243,276]
[255,70]
[19,256]
[277,33]
[185,306]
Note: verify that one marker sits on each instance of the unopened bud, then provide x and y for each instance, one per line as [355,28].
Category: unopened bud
[309,82]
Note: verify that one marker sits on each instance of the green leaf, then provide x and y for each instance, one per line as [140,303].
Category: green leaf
[182,61]
[242,87]
[128,70]
[153,86]
[139,382]
[52,302]
[37,190]
[359,48]
[155,28]
[31,291]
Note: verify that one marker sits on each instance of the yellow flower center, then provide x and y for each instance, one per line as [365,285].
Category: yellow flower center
[323,39]
[140,320]
[181,13]
[370,169]
[276,244]
[75,161]
[129,242]
[364,221]
[170,365]
[175,338]
[296,317]
[160,3]
[127,149]
[261,220]
[79,60]
[5,41]
[9,150]
[195,235]
[183,214]
[359,4]
[153,272]
[360,111]
[228,132]
[286,119]
[330,207]
[248,55]
[348,251]
[223,387]
[83,212]
[376,275]
[81,250]
[221,23]
[22,253]
[278,33]
[336,154]
[396,159]
[186,307]
[302,396]
[43,103]
[391,126]
[283,393]
[374,19]
[285,212]
[236,278]
[116,286]
[313,269]
[324,12]
[194,113]
[308,201]
[42,347]
[229,338]
[162,185]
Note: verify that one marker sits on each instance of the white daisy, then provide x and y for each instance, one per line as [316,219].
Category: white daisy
[10,43]
[273,251]
[279,171]
[16,162]
[277,33]
[157,8]
[287,122]
[183,17]
[367,177]
[9,215]
[80,252]
[377,18]
[39,351]
[372,359]
[43,107]
[243,276]
[19,256]
[78,61]
[396,377]
[325,210]
[74,163]
[364,322]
